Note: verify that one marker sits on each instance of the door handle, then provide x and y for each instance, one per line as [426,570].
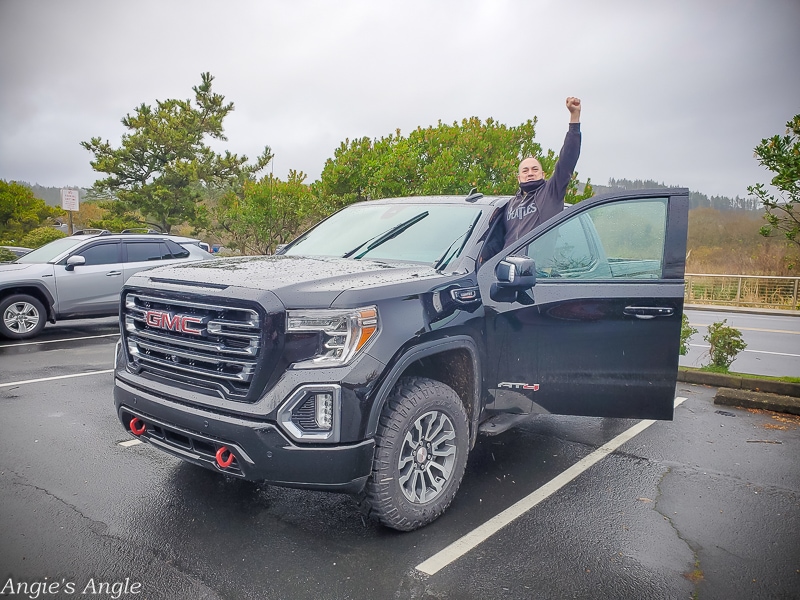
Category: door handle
[648,312]
[113,273]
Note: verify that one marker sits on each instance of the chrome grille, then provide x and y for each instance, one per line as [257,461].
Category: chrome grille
[208,345]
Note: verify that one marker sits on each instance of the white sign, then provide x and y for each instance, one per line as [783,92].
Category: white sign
[70,199]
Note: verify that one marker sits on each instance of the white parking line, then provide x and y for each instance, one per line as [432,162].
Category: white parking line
[88,337]
[466,543]
[2,385]
[752,351]
[762,330]
[775,353]
[130,443]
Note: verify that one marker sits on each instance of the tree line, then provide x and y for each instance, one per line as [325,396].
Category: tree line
[696,199]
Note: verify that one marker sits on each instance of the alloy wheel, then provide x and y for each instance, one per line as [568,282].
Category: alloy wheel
[21,317]
[427,457]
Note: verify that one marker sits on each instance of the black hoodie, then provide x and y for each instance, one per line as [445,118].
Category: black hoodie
[526,210]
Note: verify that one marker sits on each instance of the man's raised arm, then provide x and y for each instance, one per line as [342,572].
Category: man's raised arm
[570,151]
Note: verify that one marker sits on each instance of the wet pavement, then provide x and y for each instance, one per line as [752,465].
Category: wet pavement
[705,506]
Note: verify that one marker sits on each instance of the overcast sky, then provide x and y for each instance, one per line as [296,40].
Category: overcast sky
[679,92]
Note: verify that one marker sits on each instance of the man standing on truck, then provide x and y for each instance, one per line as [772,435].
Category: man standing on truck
[539,199]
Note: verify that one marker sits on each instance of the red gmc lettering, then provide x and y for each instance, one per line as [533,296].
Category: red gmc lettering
[171,322]
[185,321]
[153,319]
[179,323]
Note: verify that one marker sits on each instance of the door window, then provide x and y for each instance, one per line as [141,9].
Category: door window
[147,251]
[101,254]
[624,240]
[176,249]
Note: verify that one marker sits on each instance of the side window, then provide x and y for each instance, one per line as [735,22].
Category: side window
[147,251]
[621,240]
[566,251]
[101,254]
[176,249]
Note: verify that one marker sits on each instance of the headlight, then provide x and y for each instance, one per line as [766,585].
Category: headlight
[344,332]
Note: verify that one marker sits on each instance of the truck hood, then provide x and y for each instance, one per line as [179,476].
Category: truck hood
[299,281]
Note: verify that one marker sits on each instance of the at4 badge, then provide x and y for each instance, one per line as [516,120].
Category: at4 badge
[519,386]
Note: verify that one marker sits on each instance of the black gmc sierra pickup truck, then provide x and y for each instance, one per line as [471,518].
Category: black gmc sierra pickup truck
[368,355]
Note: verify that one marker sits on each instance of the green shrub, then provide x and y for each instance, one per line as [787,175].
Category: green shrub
[41,236]
[687,331]
[726,343]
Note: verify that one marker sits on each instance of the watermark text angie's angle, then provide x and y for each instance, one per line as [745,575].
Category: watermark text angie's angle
[63,587]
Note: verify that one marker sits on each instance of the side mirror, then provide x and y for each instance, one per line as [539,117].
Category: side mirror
[516,273]
[279,248]
[74,261]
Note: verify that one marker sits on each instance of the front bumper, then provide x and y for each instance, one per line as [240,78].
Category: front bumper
[261,451]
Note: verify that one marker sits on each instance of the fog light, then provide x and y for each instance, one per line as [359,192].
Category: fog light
[324,410]
[313,413]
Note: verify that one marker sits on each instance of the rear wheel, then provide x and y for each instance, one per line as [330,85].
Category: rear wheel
[420,455]
[21,316]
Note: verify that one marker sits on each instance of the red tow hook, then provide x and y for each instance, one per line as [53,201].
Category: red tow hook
[224,462]
[137,427]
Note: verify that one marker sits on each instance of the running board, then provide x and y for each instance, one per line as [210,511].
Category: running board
[500,423]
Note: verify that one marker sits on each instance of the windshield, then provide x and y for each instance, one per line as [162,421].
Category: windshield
[408,232]
[49,251]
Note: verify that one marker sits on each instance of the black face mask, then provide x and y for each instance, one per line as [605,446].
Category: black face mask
[529,186]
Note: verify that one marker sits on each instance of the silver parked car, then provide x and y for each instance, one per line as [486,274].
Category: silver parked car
[81,276]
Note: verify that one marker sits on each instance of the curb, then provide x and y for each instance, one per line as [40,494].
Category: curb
[750,399]
[740,383]
[778,396]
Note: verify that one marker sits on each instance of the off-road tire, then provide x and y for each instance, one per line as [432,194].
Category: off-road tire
[420,454]
[33,314]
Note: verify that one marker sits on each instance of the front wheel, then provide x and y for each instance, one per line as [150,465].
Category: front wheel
[21,317]
[420,454]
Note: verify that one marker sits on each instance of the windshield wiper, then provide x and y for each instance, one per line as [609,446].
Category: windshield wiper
[385,236]
[442,263]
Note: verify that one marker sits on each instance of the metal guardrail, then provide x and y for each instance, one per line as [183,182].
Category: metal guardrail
[743,290]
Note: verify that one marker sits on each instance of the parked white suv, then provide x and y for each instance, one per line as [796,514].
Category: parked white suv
[81,276]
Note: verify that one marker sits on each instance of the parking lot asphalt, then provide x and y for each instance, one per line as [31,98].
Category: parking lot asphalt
[706,506]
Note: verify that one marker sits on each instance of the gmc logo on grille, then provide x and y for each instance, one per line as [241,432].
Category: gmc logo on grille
[180,323]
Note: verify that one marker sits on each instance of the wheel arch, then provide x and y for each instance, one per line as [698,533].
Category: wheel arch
[454,361]
[38,291]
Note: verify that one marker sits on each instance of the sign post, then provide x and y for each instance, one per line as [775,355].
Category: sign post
[70,201]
